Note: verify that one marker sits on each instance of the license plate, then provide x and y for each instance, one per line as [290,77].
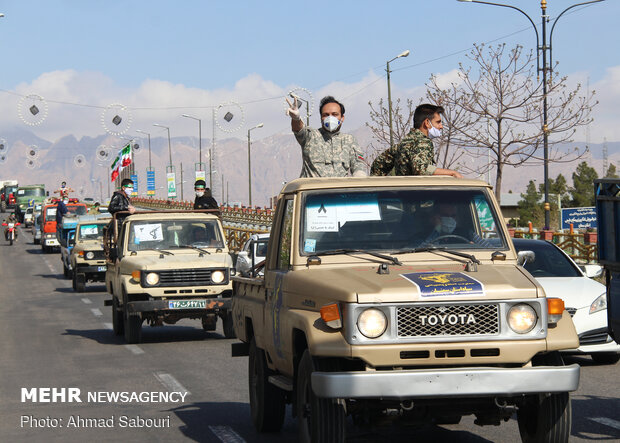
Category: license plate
[101,268]
[187,304]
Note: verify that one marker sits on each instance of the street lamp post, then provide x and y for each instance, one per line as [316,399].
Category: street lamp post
[260,125]
[541,48]
[149,138]
[402,54]
[199,165]
[169,149]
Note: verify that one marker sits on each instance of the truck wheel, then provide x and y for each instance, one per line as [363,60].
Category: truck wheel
[228,326]
[132,327]
[545,418]
[117,317]
[605,358]
[320,419]
[267,402]
[74,281]
[80,282]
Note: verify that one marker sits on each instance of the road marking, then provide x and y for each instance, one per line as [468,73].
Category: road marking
[108,326]
[97,312]
[170,382]
[226,434]
[135,349]
[87,301]
[607,422]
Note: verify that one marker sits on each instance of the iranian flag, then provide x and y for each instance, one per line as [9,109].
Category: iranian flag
[122,160]
[115,168]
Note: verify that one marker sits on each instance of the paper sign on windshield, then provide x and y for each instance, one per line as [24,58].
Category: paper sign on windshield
[89,230]
[322,218]
[330,216]
[149,232]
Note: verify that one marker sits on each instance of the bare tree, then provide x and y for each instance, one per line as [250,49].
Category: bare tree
[500,108]
[379,125]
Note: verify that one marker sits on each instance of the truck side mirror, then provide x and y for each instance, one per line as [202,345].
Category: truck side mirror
[525,257]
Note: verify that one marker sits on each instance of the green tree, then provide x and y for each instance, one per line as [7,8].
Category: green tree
[583,186]
[611,172]
[529,207]
[559,186]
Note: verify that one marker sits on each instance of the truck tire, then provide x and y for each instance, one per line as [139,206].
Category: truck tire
[605,358]
[545,418]
[74,280]
[267,402]
[80,282]
[320,420]
[117,317]
[228,325]
[132,325]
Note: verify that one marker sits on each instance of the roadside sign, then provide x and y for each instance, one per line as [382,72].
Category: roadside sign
[134,179]
[150,183]
[200,175]
[581,218]
[172,186]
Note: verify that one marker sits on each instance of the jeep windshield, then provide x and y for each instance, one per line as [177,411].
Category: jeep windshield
[174,234]
[31,192]
[92,231]
[400,220]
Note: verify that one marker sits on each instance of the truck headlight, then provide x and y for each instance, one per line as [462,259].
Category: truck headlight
[522,318]
[90,255]
[599,304]
[372,323]
[217,276]
[151,279]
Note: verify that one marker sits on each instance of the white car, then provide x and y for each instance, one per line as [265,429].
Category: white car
[585,299]
[256,248]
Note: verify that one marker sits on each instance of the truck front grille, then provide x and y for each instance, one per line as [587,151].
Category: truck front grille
[448,320]
[185,277]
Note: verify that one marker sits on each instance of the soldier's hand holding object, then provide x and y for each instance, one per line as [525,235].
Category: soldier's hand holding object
[293,109]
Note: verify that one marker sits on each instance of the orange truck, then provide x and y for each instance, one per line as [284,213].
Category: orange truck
[49,242]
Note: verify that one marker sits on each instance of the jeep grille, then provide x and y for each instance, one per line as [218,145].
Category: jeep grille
[426,321]
[185,277]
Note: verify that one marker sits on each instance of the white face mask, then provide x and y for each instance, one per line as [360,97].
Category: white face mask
[448,225]
[199,193]
[65,201]
[433,132]
[331,123]
[128,191]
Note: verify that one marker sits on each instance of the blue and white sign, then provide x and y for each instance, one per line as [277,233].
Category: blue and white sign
[150,183]
[440,284]
[134,179]
[581,218]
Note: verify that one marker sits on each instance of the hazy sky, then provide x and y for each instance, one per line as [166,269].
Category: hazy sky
[187,56]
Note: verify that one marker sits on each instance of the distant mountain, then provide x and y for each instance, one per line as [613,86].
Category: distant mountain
[275,159]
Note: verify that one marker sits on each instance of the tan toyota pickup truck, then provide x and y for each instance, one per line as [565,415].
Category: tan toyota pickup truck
[400,298]
[166,266]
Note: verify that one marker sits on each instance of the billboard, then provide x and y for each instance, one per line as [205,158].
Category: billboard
[172,186]
[581,218]
[150,183]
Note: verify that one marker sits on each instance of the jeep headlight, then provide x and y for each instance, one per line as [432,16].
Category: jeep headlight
[372,323]
[217,277]
[599,304]
[522,318]
[151,279]
[90,255]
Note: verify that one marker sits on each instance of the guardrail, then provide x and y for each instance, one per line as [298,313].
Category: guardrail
[238,223]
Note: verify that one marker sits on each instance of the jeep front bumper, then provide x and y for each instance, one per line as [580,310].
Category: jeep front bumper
[448,382]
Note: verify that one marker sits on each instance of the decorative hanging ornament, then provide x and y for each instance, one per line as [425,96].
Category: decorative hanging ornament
[32,109]
[4,148]
[229,117]
[79,160]
[305,101]
[2,158]
[32,152]
[31,163]
[103,153]
[116,119]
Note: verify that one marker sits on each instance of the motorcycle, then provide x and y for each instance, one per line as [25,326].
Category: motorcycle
[10,232]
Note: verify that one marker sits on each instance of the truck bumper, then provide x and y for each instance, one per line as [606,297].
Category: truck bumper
[50,242]
[163,306]
[450,382]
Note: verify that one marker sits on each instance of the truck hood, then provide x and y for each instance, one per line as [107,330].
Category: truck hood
[180,260]
[363,284]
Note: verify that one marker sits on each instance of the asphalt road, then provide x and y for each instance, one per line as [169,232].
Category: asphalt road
[53,337]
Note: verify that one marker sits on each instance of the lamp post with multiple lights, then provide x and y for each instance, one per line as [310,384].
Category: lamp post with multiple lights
[402,54]
[260,125]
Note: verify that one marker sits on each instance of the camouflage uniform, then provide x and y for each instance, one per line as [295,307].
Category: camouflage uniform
[329,154]
[414,155]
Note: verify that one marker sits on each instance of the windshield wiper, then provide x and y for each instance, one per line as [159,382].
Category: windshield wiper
[196,248]
[394,260]
[163,251]
[472,258]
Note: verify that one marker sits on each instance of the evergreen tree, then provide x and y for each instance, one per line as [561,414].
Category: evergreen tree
[583,186]
[530,207]
[559,186]
[611,172]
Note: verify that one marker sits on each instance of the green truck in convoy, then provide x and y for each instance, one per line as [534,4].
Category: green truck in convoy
[29,195]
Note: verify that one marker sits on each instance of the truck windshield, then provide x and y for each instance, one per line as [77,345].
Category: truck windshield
[31,192]
[399,219]
[91,231]
[171,234]
[50,213]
